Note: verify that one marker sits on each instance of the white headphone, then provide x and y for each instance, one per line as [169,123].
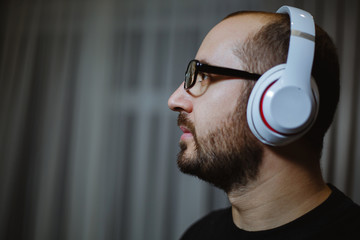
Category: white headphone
[284,103]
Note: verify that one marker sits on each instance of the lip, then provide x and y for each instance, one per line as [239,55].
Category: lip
[184,129]
[186,133]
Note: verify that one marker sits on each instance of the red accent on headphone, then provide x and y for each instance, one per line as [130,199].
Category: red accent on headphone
[261,110]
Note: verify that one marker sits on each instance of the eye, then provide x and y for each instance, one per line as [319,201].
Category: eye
[202,83]
[203,77]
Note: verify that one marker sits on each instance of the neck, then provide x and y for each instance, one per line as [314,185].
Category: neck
[284,191]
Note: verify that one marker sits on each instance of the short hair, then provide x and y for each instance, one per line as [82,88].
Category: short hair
[268,47]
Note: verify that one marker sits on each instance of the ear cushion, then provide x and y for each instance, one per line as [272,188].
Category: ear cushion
[278,113]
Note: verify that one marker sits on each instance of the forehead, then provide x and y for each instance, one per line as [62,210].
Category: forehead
[218,46]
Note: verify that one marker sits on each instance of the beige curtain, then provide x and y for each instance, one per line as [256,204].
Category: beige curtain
[88,146]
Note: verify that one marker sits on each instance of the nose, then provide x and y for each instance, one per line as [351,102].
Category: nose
[180,100]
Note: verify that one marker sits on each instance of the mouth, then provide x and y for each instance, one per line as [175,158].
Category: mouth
[186,133]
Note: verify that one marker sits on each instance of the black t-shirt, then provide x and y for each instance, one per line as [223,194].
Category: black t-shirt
[336,218]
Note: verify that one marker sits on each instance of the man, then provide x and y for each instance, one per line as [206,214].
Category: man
[276,191]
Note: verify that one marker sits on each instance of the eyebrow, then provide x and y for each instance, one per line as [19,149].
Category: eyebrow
[203,61]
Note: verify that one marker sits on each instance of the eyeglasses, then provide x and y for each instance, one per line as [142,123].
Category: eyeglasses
[195,67]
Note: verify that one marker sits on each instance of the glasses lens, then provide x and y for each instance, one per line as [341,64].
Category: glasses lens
[190,75]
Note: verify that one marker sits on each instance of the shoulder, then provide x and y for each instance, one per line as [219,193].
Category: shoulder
[343,216]
[211,226]
[346,207]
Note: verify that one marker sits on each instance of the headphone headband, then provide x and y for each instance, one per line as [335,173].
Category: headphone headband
[301,20]
[301,46]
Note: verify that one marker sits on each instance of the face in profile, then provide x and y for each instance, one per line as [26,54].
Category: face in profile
[227,157]
[217,145]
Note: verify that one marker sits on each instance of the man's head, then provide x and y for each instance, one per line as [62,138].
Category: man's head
[217,145]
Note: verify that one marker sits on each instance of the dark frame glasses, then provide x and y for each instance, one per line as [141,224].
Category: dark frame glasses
[196,66]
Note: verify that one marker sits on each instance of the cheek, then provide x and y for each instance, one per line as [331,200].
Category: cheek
[219,102]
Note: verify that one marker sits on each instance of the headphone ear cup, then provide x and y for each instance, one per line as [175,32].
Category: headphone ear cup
[269,120]
[254,118]
[316,95]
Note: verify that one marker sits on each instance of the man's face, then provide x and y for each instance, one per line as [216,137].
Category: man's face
[217,145]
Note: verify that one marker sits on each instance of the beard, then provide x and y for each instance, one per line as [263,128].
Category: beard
[227,157]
